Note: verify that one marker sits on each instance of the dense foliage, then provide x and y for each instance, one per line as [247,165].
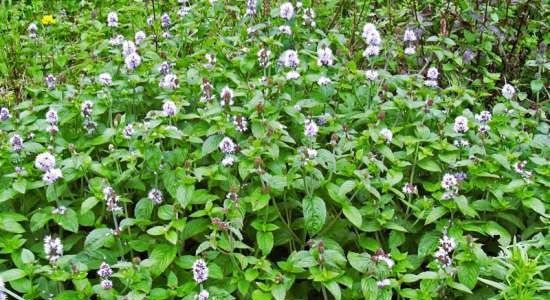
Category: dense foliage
[259,150]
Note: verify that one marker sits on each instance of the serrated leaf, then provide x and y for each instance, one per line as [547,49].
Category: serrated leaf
[315,213]
[161,257]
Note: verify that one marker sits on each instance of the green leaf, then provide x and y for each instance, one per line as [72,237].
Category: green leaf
[68,220]
[12,274]
[536,85]
[265,241]
[334,289]
[88,204]
[464,206]
[9,224]
[161,257]
[315,213]
[39,220]
[144,209]
[184,195]
[428,243]
[468,273]
[20,185]
[360,261]
[429,165]
[27,257]
[97,238]
[369,288]
[435,213]
[460,287]
[353,215]
[211,144]
[536,205]
[153,156]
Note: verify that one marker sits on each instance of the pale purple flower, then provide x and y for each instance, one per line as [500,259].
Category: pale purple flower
[285,29]
[446,247]
[128,131]
[484,128]
[226,96]
[263,57]
[170,82]
[105,79]
[371,35]
[44,161]
[211,60]
[116,40]
[32,28]
[310,153]
[112,19]
[410,50]
[128,47]
[155,195]
[169,108]
[432,73]
[449,182]
[59,210]
[227,145]
[292,75]
[184,11]
[112,200]
[132,61]
[286,11]
[483,117]
[250,11]
[310,129]
[324,81]
[50,81]
[309,17]
[4,114]
[371,74]
[86,108]
[508,91]
[106,284]
[51,116]
[165,68]
[371,50]
[139,37]
[228,160]
[409,188]
[409,36]
[289,59]
[461,124]
[325,56]
[16,142]
[105,270]
[52,175]
[519,167]
[387,135]
[240,122]
[430,83]
[203,295]
[53,248]
[165,21]
[200,271]
[383,283]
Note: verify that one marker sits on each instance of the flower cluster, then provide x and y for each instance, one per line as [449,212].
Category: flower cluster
[445,251]
[200,271]
[155,195]
[53,248]
[519,167]
[112,200]
[46,163]
[450,185]
[372,38]
[409,37]
[86,109]
[431,77]
[105,273]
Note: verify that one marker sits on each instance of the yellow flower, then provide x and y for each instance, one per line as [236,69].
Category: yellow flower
[47,20]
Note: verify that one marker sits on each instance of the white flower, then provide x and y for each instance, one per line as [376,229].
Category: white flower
[155,195]
[387,135]
[285,29]
[132,61]
[461,124]
[106,284]
[44,161]
[53,248]
[139,37]
[483,117]
[211,60]
[371,51]
[184,11]
[310,153]
[226,96]
[4,114]
[291,75]
[431,83]
[371,35]
[128,131]
[410,50]
[449,182]
[116,40]
[112,19]
[200,271]
[409,36]
[310,128]
[128,47]
[169,82]
[371,74]
[240,122]
[263,57]
[383,283]
[433,73]
[324,81]
[228,161]
[286,11]
[324,56]
[203,295]
[16,142]
[169,108]
[227,145]
[409,188]
[508,91]
[105,79]
[289,59]
[251,9]
[52,175]
[51,116]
